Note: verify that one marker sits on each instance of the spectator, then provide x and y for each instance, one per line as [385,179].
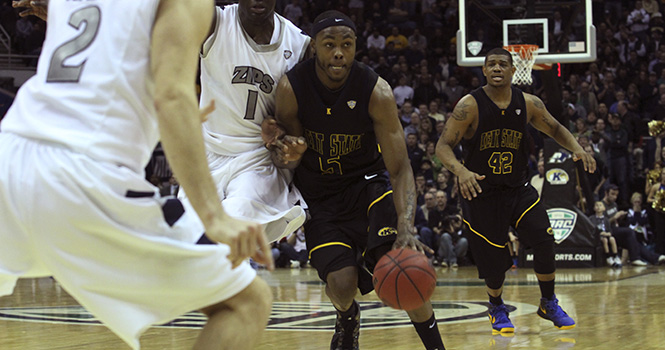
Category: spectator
[376,41]
[638,19]
[399,41]
[402,92]
[171,189]
[453,92]
[425,91]
[638,219]
[617,156]
[603,230]
[452,244]
[415,153]
[625,237]
[293,250]
[538,179]
[293,12]
[656,199]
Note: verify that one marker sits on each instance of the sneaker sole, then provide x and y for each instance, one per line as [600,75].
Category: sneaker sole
[503,331]
[558,327]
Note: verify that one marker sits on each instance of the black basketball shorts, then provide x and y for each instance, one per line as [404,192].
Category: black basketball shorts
[488,218]
[354,227]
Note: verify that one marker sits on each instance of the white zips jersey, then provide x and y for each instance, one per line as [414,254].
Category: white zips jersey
[241,76]
[93,91]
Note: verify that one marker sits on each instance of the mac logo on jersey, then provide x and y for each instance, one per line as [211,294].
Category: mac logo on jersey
[288,54]
[351,104]
[252,76]
[562,222]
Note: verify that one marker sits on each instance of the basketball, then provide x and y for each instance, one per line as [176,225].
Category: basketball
[404,279]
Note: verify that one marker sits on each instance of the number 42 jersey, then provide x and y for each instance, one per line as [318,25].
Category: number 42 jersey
[94,99]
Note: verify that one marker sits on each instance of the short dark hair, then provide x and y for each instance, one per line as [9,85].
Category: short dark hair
[612,187]
[501,52]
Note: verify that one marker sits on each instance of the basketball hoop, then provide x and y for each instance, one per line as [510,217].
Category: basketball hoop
[524,57]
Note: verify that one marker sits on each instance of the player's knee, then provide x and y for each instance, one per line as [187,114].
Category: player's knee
[343,282]
[495,282]
[543,257]
[252,303]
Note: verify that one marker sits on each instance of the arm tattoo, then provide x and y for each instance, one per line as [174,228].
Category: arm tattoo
[460,112]
[410,209]
[539,104]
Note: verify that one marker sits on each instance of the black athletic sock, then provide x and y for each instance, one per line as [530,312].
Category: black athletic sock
[429,334]
[496,301]
[546,289]
[348,313]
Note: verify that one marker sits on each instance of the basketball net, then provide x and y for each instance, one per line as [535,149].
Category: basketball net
[524,57]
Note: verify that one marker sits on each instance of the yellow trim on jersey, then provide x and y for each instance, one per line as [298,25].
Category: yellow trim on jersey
[377,200]
[483,237]
[327,245]
[529,208]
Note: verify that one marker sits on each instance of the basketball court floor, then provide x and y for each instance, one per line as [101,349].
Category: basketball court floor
[614,309]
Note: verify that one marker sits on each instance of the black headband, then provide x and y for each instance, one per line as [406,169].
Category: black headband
[331,22]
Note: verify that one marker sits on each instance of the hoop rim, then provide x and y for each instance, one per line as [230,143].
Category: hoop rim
[523,50]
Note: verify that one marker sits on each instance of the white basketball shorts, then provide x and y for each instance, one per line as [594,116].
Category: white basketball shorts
[101,231]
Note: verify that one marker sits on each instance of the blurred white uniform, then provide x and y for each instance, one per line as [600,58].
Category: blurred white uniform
[241,76]
[74,203]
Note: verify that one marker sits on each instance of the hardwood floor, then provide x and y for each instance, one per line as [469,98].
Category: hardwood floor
[614,309]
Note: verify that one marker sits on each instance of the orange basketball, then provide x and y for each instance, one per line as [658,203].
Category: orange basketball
[404,279]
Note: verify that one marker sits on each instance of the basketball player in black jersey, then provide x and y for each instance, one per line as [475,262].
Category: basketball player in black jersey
[336,112]
[491,122]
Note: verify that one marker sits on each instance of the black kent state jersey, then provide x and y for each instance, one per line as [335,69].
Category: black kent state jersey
[341,144]
[498,149]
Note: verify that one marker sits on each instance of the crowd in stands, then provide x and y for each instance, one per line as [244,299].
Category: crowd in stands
[607,104]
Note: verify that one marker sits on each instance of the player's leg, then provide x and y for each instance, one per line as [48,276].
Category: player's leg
[488,222]
[534,230]
[238,322]
[378,244]
[334,257]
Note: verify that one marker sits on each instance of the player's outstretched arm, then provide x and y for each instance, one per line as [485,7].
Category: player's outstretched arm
[37,8]
[460,124]
[390,135]
[288,148]
[542,120]
[178,32]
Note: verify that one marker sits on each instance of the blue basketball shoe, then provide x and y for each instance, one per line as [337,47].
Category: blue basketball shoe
[499,319]
[549,309]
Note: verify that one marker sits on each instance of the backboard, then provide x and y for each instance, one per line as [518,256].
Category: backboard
[563,30]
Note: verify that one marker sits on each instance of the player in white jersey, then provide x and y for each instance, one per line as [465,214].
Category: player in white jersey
[249,49]
[115,76]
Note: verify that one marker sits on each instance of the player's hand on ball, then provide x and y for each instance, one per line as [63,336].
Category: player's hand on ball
[37,8]
[411,242]
[290,148]
[245,239]
[468,184]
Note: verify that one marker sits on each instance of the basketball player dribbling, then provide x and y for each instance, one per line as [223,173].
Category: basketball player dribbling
[491,122]
[337,111]
[248,49]
[114,77]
